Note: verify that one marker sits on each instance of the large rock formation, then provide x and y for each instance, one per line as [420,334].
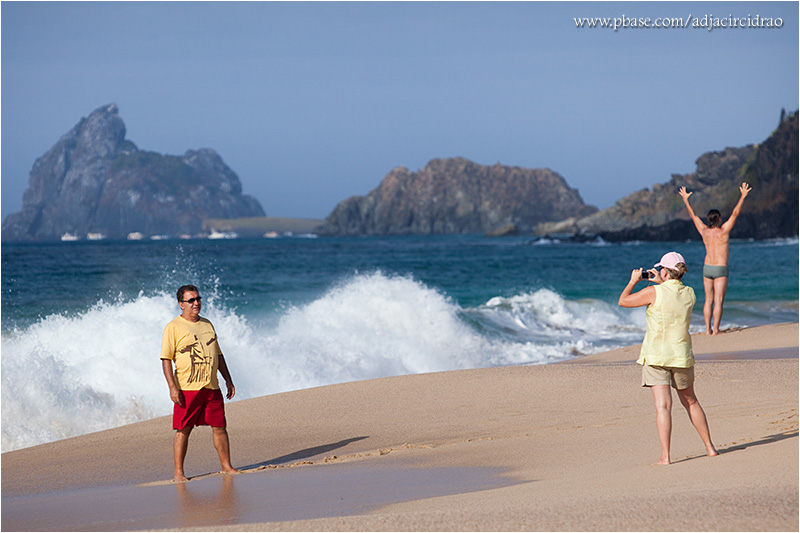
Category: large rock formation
[770,210]
[95,181]
[457,196]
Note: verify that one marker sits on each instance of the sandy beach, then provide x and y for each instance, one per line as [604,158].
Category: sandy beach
[564,447]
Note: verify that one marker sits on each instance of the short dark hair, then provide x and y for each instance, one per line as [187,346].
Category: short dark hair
[714,218]
[186,288]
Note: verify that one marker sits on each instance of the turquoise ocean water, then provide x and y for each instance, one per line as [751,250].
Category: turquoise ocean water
[82,321]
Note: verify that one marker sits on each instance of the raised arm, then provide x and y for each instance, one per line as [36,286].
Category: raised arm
[698,223]
[744,189]
[644,297]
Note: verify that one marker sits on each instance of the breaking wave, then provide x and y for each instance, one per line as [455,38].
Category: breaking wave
[67,375]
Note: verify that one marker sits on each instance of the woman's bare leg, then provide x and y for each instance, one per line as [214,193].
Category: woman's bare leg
[662,396]
[698,417]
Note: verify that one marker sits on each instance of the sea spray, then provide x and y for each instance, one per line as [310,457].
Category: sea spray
[544,316]
[69,375]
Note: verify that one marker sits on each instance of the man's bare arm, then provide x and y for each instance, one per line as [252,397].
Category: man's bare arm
[698,223]
[744,189]
[174,392]
[226,375]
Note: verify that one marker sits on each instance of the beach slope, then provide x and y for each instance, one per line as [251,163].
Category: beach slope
[552,447]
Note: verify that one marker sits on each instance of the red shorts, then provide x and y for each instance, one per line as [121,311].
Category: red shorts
[202,407]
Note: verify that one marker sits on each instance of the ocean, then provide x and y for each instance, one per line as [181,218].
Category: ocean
[82,321]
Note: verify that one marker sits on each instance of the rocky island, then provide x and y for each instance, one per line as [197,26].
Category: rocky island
[658,214]
[95,182]
[457,196]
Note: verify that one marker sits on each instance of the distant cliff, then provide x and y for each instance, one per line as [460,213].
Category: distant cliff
[457,196]
[95,181]
[770,210]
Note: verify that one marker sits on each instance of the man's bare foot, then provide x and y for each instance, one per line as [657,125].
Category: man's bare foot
[180,478]
[229,471]
[662,462]
[712,452]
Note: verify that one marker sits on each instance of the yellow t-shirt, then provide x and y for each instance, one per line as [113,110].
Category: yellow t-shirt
[194,349]
[667,341]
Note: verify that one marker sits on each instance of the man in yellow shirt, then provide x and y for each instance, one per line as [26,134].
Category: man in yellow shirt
[190,341]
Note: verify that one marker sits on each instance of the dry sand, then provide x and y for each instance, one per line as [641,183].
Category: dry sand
[553,447]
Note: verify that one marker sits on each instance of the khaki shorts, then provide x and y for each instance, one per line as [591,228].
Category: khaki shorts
[679,378]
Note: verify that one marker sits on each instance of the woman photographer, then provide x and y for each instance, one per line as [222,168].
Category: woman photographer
[666,355]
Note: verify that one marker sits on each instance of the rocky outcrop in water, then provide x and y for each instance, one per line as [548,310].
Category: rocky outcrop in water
[658,214]
[94,181]
[457,196]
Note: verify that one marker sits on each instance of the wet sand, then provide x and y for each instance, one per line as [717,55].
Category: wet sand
[553,447]
[279,495]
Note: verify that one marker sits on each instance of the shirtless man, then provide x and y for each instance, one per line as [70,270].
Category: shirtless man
[715,270]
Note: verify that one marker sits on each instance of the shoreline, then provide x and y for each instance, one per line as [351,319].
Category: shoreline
[565,446]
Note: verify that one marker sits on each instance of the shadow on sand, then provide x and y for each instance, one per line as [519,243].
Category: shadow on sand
[766,440]
[303,454]
[739,447]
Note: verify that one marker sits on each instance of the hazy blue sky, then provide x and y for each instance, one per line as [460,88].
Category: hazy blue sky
[310,103]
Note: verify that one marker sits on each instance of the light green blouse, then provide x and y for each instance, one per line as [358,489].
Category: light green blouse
[667,341]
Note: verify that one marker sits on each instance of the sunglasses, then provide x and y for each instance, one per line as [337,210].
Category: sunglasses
[192,300]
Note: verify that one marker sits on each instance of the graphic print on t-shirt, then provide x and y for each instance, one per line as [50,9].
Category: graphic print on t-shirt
[201,363]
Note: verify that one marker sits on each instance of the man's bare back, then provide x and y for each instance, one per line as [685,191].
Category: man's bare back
[716,241]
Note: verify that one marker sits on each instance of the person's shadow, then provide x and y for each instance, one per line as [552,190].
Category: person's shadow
[739,447]
[765,440]
[303,454]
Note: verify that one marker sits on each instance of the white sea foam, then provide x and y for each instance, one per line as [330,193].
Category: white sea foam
[784,241]
[65,376]
[69,375]
[545,316]
[544,241]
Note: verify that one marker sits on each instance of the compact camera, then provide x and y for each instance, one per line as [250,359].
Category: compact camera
[646,274]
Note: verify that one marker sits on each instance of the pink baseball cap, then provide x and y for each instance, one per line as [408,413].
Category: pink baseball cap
[670,260]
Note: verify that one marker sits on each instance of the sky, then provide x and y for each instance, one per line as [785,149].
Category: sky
[313,102]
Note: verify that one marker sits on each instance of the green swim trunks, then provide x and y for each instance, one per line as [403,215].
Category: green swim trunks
[715,271]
